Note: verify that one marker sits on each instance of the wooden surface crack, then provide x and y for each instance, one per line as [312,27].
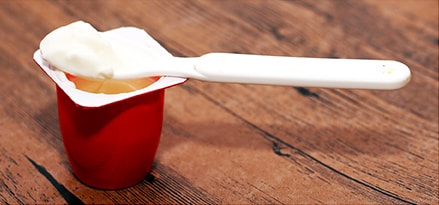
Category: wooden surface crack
[65,193]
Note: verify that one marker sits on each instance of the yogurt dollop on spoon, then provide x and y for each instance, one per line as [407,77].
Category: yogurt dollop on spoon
[81,50]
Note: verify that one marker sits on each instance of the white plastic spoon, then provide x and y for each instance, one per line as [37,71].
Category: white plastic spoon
[81,50]
[279,70]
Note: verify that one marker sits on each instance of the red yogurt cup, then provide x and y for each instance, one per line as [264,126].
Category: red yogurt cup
[111,140]
[112,146]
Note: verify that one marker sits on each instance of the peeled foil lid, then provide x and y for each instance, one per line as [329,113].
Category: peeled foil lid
[87,99]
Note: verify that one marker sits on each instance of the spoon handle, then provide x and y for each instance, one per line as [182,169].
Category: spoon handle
[301,71]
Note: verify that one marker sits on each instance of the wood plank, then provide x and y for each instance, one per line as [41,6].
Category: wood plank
[234,143]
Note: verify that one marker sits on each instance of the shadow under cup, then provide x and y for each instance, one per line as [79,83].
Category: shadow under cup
[112,146]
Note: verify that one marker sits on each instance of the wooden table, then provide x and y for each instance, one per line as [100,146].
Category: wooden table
[235,143]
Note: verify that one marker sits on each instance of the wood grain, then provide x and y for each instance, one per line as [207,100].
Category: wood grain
[235,143]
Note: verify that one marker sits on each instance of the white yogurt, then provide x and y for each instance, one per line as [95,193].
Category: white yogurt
[81,50]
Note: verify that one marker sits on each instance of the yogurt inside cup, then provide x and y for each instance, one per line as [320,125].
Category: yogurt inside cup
[110,136]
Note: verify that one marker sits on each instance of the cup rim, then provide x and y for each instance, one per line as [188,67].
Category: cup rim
[87,99]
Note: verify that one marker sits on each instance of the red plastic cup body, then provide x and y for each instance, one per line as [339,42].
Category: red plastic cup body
[112,146]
